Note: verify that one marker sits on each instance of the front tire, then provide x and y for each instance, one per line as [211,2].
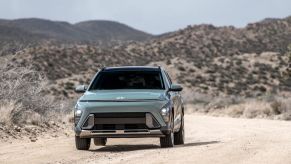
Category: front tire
[168,140]
[82,143]
[179,137]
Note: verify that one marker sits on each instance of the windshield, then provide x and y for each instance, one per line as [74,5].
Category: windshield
[128,80]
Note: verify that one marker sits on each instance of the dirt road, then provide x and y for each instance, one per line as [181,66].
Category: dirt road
[208,140]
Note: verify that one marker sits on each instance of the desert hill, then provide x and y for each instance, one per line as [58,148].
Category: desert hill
[33,31]
[109,30]
[212,60]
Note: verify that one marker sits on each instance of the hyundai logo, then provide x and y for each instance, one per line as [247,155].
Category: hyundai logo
[120,98]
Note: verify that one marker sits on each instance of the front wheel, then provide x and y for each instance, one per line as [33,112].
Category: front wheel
[82,143]
[168,140]
[179,137]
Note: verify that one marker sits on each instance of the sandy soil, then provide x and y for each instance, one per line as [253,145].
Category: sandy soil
[208,140]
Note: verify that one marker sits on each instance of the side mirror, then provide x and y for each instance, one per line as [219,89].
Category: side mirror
[81,88]
[176,88]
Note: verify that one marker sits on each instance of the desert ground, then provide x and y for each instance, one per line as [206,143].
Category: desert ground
[208,140]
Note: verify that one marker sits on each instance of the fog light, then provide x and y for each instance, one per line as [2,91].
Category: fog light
[151,121]
[89,122]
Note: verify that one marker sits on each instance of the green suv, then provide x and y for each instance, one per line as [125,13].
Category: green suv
[129,102]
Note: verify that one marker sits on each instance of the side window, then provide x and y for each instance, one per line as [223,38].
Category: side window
[165,79]
[168,77]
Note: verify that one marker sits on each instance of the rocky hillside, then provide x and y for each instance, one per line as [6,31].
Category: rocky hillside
[206,59]
[28,32]
[109,30]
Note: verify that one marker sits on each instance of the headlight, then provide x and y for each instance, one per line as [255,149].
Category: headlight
[165,112]
[78,113]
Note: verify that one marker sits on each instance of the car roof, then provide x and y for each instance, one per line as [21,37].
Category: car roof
[132,68]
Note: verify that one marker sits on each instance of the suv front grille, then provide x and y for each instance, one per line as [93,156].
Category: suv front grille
[108,122]
[120,115]
[119,126]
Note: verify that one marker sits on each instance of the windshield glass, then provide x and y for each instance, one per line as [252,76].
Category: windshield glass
[128,80]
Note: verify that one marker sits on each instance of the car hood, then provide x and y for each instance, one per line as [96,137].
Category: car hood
[124,95]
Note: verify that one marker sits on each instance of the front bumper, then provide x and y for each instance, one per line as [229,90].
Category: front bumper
[120,127]
[121,134]
[121,114]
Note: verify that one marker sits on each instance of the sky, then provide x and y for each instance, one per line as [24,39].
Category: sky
[152,16]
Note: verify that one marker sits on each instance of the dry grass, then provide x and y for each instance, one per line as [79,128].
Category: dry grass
[273,107]
[6,110]
[249,109]
[22,99]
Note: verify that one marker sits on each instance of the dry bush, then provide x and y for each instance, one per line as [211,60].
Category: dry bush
[277,108]
[195,97]
[6,109]
[250,109]
[22,100]
[271,107]
[222,102]
[281,107]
